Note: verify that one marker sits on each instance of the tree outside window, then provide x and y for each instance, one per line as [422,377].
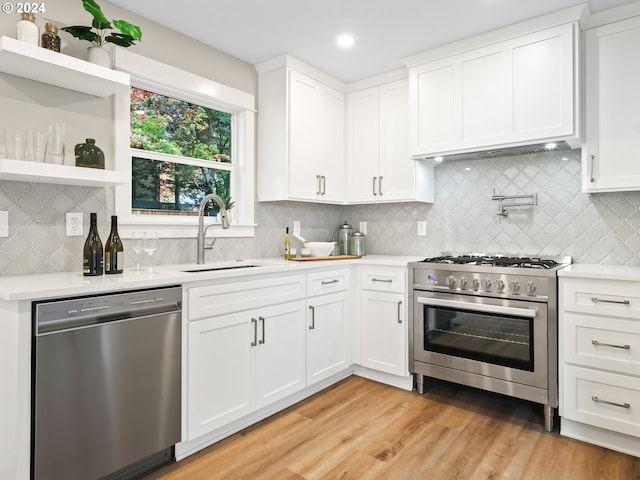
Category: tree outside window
[181,152]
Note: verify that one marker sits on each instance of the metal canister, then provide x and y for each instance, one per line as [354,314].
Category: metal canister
[357,244]
[344,235]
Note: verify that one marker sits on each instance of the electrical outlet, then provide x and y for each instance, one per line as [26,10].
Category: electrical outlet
[4,223]
[74,224]
[363,227]
[296,226]
[422,228]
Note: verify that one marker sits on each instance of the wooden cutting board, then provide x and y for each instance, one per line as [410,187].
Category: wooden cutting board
[313,259]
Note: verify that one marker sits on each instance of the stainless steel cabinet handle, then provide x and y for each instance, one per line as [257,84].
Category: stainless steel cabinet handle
[330,282]
[261,319]
[619,302]
[313,318]
[324,185]
[400,311]
[382,280]
[615,404]
[374,186]
[318,184]
[596,342]
[380,186]
[254,322]
[593,160]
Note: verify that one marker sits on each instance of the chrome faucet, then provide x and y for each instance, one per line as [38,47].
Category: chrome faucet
[224,215]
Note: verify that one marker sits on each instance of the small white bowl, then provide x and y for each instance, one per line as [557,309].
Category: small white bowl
[320,249]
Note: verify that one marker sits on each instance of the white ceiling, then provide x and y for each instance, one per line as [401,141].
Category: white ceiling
[384,30]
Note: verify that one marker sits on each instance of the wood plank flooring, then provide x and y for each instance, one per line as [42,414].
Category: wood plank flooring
[362,430]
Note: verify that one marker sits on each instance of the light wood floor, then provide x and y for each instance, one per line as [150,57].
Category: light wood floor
[361,430]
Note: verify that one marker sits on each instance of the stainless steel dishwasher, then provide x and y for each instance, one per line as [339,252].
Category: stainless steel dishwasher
[106,384]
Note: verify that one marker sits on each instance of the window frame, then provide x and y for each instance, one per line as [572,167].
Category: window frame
[163,79]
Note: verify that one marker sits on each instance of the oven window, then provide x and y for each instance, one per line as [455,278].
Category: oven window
[492,338]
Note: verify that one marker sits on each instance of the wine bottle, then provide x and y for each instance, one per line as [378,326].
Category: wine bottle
[92,255]
[113,250]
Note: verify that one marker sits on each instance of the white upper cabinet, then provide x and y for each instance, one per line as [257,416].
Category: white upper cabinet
[300,136]
[611,149]
[516,91]
[379,165]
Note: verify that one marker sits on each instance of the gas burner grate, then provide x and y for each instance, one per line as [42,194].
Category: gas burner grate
[495,261]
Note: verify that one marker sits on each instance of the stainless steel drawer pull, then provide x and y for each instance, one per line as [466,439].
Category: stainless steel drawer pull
[615,404]
[330,282]
[596,342]
[400,311]
[380,186]
[374,186]
[593,161]
[382,280]
[619,302]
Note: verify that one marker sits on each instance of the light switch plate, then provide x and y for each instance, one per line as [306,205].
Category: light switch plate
[4,223]
[74,224]
[363,227]
[296,226]
[422,228]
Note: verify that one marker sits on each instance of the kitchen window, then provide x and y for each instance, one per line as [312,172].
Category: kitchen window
[186,136]
[179,153]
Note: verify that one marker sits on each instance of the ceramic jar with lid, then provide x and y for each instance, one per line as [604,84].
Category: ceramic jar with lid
[27,30]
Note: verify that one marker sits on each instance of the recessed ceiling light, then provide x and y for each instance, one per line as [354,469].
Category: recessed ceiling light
[345,41]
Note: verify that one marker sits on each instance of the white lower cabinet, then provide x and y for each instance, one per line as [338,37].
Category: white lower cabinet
[326,337]
[242,362]
[328,325]
[383,320]
[599,367]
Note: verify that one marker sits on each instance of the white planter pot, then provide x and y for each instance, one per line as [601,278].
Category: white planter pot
[99,56]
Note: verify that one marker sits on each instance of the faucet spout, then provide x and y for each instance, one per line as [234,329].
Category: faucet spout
[224,216]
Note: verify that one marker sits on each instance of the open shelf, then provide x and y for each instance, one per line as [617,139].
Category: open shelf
[35,63]
[21,171]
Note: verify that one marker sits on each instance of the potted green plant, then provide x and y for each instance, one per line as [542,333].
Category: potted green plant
[102,32]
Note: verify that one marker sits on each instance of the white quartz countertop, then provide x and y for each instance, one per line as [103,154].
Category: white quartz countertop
[66,284]
[601,272]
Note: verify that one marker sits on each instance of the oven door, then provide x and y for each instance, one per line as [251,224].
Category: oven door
[499,338]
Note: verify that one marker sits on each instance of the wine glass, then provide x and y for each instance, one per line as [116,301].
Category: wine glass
[136,246]
[150,244]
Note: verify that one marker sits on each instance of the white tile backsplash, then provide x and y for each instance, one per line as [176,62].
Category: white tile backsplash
[598,228]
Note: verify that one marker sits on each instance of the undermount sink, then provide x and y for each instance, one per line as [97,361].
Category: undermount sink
[204,268]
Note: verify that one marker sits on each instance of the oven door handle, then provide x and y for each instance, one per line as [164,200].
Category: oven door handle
[478,307]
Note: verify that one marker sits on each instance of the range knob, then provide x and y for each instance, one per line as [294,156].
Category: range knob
[476,284]
[515,286]
[531,287]
[500,285]
[451,281]
[463,283]
[486,283]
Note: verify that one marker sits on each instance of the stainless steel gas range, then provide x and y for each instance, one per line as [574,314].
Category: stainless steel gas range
[490,322]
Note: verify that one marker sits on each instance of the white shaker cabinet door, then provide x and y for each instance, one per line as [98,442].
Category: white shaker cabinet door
[326,337]
[611,153]
[220,382]
[280,359]
[383,332]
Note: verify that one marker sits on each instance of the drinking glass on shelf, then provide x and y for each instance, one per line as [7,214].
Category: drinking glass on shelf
[136,246]
[150,244]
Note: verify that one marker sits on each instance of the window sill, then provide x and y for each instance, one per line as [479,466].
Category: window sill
[187,228]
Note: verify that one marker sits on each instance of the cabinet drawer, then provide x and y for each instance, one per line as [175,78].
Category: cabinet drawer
[602,399]
[383,279]
[601,297]
[225,298]
[605,343]
[331,281]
